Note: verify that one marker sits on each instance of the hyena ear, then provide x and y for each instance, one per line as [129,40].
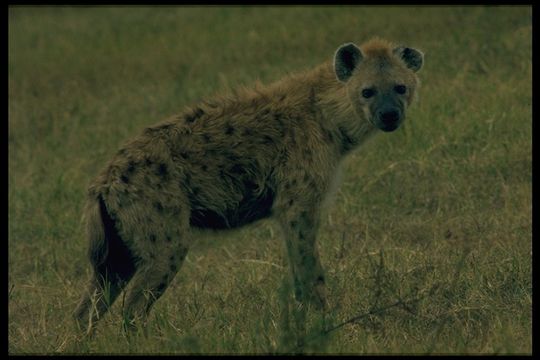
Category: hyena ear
[347,58]
[414,59]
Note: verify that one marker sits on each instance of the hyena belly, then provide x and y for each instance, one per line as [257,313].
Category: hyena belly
[237,194]
[254,205]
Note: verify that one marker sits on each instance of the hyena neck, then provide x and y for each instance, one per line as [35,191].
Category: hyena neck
[338,112]
[318,91]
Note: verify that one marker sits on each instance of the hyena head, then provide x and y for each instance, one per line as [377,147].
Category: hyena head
[380,79]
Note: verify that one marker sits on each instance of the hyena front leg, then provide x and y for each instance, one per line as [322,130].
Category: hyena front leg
[300,224]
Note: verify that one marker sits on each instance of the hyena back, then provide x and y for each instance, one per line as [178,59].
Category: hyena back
[267,152]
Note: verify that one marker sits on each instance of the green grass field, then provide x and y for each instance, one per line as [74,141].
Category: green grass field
[427,246]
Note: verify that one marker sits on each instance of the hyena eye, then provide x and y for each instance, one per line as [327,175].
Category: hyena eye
[400,89]
[367,93]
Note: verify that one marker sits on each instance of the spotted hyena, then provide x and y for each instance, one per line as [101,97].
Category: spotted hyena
[270,151]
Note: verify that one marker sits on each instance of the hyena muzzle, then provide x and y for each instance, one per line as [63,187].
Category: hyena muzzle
[268,152]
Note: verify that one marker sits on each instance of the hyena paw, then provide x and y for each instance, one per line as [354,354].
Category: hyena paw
[314,293]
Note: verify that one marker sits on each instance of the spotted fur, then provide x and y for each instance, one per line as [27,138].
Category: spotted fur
[268,151]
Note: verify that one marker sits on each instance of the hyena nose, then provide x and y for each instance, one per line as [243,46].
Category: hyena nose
[389,117]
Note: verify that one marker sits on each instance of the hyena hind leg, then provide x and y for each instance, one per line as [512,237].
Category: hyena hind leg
[151,279]
[113,266]
[106,284]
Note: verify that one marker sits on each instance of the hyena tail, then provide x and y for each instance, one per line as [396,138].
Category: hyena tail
[98,223]
[112,262]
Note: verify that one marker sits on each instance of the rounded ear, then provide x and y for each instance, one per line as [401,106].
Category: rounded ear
[346,59]
[414,59]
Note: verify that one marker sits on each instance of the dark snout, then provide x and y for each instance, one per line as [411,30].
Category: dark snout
[389,118]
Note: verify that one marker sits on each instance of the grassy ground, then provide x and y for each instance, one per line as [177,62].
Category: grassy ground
[427,245]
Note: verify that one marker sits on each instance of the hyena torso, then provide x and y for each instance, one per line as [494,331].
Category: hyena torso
[271,151]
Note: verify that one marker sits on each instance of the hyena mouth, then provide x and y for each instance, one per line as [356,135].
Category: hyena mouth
[390,127]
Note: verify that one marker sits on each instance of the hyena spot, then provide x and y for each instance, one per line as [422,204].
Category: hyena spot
[153,238]
[162,171]
[267,140]
[291,202]
[229,130]
[131,167]
[237,169]
[184,155]
[231,157]
[124,179]
[187,179]
[328,136]
[320,279]
[279,121]
[206,138]
[304,215]
[195,115]
[158,206]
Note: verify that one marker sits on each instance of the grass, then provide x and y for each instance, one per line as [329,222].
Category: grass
[427,245]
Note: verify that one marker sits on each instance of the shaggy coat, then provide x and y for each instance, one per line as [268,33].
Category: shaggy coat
[229,161]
